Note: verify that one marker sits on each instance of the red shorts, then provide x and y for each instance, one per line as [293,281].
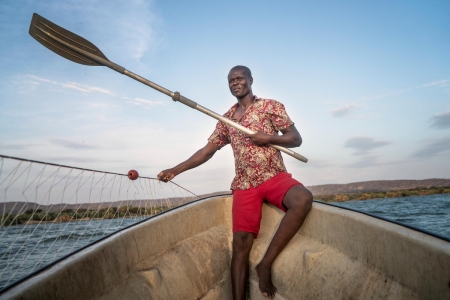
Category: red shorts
[247,204]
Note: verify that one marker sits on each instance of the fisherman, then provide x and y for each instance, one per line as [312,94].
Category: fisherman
[260,175]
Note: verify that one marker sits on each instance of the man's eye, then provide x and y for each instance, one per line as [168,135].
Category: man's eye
[236,79]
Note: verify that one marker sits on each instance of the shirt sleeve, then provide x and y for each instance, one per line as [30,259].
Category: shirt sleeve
[278,115]
[220,136]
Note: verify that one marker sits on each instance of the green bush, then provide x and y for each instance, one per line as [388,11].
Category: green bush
[134,210]
[38,217]
[23,218]
[10,219]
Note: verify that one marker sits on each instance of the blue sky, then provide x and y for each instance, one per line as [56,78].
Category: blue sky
[367,84]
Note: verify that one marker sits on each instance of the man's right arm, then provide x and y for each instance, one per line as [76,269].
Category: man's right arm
[199,157]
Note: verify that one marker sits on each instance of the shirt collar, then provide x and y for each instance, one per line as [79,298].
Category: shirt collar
[235,106]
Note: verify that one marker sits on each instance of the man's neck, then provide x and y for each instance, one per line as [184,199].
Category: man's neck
[246,101]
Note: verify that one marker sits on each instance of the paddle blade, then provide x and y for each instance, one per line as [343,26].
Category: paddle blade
[49,35]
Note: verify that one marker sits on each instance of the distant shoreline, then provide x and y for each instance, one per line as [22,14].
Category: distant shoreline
[343,197]
[38,216]
[34,213]
[378,186]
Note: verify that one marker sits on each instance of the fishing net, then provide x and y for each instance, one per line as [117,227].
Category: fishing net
[48,211]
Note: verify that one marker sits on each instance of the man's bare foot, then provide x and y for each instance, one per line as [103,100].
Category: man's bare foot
[265,281]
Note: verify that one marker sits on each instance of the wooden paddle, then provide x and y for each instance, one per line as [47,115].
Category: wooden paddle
[79,50]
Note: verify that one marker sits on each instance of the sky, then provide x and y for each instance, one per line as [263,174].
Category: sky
[367,84]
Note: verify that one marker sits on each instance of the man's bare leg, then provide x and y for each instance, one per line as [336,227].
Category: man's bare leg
[298,201]
[242,244]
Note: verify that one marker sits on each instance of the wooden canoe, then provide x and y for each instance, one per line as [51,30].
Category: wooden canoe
[185,254]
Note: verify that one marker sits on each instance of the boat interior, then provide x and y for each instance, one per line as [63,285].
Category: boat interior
[185,253]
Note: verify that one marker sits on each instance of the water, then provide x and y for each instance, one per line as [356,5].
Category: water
[35,246]
[431,213]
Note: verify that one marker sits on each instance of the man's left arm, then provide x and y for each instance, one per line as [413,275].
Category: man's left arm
[290,138]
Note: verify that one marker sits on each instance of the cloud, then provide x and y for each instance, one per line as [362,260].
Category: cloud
[318,164]
[439,83]
[435,84]
[75,87]
[99,104]
[344,110]
[441,121]
[20,145]
[70,144]
[41,79]
[69,160]
[35,81]
[139,34]
[86,88]
[100,90]
[143,102]
[433,148]
[363,145]
[137,28]
[133,22]
[365,162]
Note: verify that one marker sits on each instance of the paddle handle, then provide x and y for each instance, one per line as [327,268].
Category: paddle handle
[192,104]
[72,42]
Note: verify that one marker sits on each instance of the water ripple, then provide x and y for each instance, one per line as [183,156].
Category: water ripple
[430,213]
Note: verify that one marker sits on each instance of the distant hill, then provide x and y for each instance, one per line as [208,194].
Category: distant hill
[377,186]
[325,189]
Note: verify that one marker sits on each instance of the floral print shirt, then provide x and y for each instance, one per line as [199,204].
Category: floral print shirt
[254,164]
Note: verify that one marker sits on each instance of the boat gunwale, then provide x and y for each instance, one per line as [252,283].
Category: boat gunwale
[44,268]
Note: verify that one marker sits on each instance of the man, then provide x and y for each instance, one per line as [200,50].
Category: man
[260,175]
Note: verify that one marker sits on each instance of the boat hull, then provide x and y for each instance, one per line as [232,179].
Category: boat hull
[186,254]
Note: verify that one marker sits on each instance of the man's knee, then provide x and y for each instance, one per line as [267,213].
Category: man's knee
[242,242]
[299,198]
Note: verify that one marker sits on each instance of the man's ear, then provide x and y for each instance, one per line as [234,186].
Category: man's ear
[251,80]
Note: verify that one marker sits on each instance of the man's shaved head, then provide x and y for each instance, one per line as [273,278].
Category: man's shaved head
[240,82]
[242,68]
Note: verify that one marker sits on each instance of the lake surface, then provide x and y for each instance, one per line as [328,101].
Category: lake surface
[26,249]
[35,246]
[430,213]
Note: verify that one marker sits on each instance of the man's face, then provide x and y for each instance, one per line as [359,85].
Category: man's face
[240,83]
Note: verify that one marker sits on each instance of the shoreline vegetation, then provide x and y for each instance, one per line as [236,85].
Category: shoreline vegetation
[383,195]
[38,216]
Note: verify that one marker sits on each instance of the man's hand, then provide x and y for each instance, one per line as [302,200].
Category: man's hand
[195,160]
[166,175]
[290,138]
[260,138]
